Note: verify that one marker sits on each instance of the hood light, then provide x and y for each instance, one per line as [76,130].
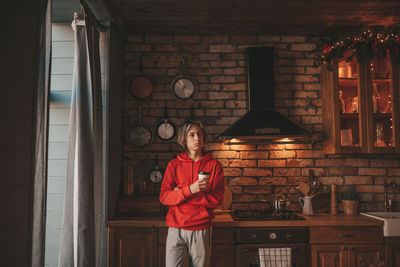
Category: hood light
[286,140]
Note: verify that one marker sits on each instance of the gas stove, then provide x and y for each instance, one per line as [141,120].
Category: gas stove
[266,215]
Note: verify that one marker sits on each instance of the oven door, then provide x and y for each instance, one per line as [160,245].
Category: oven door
[247,254]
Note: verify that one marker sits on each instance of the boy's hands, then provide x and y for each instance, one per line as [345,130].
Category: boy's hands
[199,186]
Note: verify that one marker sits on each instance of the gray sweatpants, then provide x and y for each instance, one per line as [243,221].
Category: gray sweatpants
[180,242]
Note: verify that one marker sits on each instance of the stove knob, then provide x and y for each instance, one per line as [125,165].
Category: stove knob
[254,236]
[272,236]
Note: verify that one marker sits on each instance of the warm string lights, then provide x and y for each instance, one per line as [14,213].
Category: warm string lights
[366,44]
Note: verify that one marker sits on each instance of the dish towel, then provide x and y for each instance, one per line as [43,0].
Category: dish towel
[275,257]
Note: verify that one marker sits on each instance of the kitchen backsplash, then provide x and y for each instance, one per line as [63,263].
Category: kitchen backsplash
[253,172]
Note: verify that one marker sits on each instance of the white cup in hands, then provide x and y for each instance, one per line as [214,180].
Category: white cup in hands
[204,175]
[203,180]
[201,184]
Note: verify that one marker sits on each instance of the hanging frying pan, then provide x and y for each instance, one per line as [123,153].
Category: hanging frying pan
[140,135]
[166,129]
[184,87]
[141,86]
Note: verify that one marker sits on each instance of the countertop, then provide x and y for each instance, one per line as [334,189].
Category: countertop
[225,220]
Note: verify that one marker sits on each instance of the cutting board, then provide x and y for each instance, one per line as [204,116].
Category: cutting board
[227,202]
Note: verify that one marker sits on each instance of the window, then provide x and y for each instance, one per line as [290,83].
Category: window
[60,101]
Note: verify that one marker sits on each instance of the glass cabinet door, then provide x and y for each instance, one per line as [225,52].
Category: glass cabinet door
[361,110]
[349,104]
[382,102]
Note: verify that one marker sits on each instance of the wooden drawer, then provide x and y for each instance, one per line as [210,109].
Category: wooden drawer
[343,235]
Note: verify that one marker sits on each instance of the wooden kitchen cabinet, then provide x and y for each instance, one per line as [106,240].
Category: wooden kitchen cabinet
[145,247]
[346,256]
[329,256]
[132,246]
[346,246]
[392,251]
[361,106]
[222,256]
[223,247]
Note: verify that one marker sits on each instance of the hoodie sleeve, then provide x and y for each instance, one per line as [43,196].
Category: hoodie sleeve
[169,196]
[212,198]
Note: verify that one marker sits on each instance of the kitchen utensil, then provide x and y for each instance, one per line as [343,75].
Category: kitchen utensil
[306,204]
[279,203]
[140,135]
[155,175]
[314,183]
[184,87]
[278,206]
[304,188]
[166,129]
[141,86]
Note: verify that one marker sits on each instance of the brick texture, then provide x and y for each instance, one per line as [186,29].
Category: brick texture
[252,171]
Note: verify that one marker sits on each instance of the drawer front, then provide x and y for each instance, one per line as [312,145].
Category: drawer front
[362,234]
[271,235]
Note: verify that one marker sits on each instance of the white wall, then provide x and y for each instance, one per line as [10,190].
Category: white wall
[61,84]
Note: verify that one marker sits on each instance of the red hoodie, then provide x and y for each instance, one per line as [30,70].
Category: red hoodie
[186,210]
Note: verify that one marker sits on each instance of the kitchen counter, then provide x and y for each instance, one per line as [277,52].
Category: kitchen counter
[237,242]
[225,220]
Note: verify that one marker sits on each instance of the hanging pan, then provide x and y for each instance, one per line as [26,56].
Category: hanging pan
[141,86]
[140,135]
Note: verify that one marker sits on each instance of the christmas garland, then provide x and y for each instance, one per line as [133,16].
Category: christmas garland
[368,43]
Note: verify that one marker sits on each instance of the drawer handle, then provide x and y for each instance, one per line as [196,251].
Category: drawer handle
[346,235]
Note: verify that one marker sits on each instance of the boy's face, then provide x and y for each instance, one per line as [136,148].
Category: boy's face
[194,139]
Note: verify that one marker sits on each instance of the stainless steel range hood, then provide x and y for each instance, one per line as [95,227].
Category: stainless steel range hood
[262,121]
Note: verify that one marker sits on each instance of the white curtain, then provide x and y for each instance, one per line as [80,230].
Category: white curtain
[41,137]
[81,225]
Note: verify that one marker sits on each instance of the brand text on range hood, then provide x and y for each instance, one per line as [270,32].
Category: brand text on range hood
[262,121]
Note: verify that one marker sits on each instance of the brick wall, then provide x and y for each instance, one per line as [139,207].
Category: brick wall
[253,172]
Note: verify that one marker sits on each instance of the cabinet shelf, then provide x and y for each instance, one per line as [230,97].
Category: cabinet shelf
[383,115]
[381,80]
[348,82]
[352,82]
[349,116]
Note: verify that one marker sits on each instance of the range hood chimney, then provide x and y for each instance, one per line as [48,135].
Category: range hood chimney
[262,121]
